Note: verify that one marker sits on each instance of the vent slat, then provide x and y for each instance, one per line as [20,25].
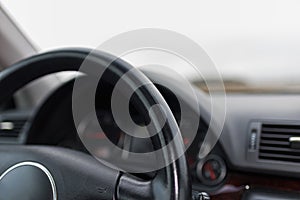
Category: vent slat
[274,142]
[289,158]
[282,131]
[281,126]
[275,136]
[9,134]
[279,150]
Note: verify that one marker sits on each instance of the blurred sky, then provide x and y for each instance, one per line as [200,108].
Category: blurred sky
[257,40]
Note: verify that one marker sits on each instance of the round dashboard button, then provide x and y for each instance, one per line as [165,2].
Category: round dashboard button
[211,170]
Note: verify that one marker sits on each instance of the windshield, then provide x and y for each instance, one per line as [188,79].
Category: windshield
[254,44]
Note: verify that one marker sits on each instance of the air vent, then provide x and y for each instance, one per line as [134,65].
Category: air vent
[276,142]
[11,128]
[12,124]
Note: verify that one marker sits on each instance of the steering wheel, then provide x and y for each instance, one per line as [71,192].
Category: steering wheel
[46,172]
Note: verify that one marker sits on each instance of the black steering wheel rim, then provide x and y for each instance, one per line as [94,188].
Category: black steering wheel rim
[174,179]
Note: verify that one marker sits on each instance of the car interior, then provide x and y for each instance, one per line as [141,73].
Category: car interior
[51,148]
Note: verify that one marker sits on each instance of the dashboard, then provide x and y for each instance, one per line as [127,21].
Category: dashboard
[247,162]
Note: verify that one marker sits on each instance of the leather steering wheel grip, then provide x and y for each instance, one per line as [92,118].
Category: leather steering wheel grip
[170,183]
